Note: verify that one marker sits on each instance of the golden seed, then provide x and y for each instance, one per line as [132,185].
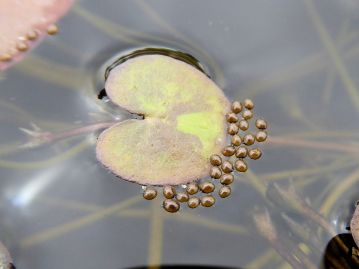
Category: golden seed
[227,167]
[215,160]
[232,129]
[193,202]
[192,188]
[228,151]
[169,192]
[224,191]
[231,117]
[248,139]
[241,152]
[255,154]
[52,29]
[5,57]
[248,104]
[236,107]
[243,125]
[215,172]
[227,179]
[22,46]
[240,166]
[171,205]
[182,197]
[261,136]
[207,187]
[207,201]
[261,124]
[247,114]
[236,140]
[32,35]
[150,193]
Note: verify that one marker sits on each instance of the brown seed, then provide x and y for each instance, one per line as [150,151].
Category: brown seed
[207,187]
[215,172]
[240,166]
[224,191]
[182,197]
[171,205]
[150,193]
[241,152]
[261,136]
[261,124]
[236,107]
[227,167]
[193,202]
[215,160]
[207,201]
[192,188]
[232,129]
[52,29]
[236,140]
[247,114]
[255,154]
[6,57]
[227,179]
[169,192]
[248,139]
[32,35]
[22,46]
[248,104]
[243,125]
[231,117]
[228,151]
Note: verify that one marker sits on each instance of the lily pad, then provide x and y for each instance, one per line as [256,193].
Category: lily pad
[184,121]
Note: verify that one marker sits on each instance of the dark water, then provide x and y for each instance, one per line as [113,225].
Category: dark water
[297,60]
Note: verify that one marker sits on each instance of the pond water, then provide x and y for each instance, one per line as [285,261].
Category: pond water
[297,60]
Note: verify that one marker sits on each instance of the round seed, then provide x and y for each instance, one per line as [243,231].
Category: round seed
[240,166]
[52,29]
[236,107]
[192,188]
[261,136]
[22,46]
[207,201]
[215,172]
[182,197]
[255,154]
[248,104]
[228,151]
[31,35]
[241,152]
[248,139]
[193,202]
[207,187]
[224,191]
[215,160]
[227,167]
[232,129]
[227,179]
[236,140]
[243,125]
[5,57]
[247,114]
[171,205]
[150,193]
[261,124]
[231,117]
[169,192]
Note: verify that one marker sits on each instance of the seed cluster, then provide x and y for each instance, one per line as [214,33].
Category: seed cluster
[223,165]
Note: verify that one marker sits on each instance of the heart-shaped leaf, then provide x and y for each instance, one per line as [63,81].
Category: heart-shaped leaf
[183,121]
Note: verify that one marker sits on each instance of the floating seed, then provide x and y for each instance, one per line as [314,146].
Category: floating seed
[240,166]
[215,172]
[171,205]
[248,139]
[241,152]
[261,136]
[207,187]
[31,35]
[22,46]
[150,193]
[261,124]
[232,129]
[236,140]
[227,179]
[5,57]
[255,154]
[232,117]
[236,107]
[193,202]
[224,191]
[207,201]
[215,160]
[192,188]
[228,151]
[52,29]
[243,125]
[248,104]
[169,192]
[247,114]
[182,197]
[227,167]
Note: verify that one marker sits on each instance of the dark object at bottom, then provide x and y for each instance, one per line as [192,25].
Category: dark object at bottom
[185,267]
